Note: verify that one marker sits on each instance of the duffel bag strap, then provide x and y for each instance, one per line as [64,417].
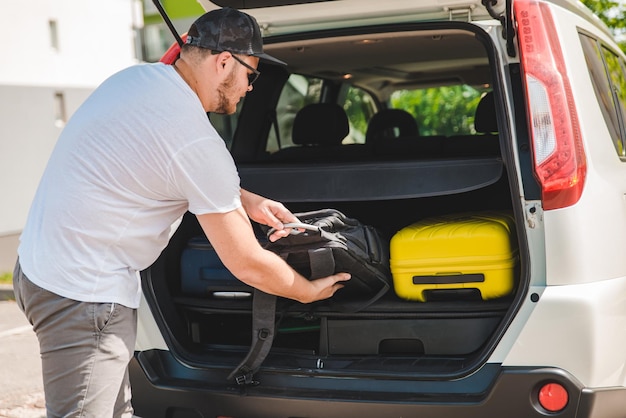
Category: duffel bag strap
[263,329]
[356,306]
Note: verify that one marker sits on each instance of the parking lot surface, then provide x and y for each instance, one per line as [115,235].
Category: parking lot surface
[21,388]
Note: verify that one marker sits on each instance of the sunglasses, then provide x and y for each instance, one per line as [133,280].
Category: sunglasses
[255,73]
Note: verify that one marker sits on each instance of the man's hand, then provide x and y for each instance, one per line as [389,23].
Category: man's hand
[232,237]
[267,212]
[326,287]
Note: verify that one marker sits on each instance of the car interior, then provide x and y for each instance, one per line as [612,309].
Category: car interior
[330,131]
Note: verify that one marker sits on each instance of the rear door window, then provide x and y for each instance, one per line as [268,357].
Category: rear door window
[300,91]
[606,69]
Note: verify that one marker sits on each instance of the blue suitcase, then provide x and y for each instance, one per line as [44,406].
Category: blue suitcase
[203,274]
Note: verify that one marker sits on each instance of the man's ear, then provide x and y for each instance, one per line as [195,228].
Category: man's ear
[222,60]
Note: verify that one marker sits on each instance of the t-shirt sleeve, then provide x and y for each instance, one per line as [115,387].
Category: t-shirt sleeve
[204,174]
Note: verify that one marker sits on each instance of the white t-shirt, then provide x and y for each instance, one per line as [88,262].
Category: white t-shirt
[132,160]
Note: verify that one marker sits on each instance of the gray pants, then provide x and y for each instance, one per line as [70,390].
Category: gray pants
[85,350]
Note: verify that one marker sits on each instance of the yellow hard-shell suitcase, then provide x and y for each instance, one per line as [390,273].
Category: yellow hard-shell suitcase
[455,252]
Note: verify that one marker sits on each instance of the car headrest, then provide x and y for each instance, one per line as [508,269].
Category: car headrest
[320,124]
[485,117]
[386,123]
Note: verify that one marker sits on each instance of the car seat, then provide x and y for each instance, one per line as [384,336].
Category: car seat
[318,130]
[487,142]
[391,124]
[485,117]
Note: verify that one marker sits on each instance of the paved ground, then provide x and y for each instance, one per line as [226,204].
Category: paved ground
[21,389]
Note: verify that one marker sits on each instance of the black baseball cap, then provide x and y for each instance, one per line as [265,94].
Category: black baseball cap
[231,30]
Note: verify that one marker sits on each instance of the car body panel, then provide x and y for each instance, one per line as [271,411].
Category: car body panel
[573,328]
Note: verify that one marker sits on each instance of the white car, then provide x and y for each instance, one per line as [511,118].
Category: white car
[517,107]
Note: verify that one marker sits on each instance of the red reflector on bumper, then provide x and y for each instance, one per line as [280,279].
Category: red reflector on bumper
[553,397]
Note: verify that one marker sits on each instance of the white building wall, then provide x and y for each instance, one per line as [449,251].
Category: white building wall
[94,40]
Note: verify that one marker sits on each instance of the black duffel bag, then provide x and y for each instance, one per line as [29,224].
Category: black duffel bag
[323,243]
[326,242]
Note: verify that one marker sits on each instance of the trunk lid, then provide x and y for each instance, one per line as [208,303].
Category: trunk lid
[278,17]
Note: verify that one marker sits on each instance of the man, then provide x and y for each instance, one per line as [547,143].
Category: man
[133,159]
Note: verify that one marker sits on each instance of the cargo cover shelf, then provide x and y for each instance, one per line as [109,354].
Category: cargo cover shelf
[368,181]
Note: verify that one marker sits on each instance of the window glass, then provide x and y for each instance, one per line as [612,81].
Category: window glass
[601,81]
[60,111]
[53,29]
[618,84]
[360,107]
[226,125]
[300,91]
[156,40]
[445,110]
[439,111]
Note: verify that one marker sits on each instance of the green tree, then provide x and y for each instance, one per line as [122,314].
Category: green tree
[447,110]
[613,13]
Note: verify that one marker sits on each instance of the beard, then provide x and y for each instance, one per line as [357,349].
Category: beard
[225,106]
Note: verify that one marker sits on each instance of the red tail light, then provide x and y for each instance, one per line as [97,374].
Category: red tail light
[559,156]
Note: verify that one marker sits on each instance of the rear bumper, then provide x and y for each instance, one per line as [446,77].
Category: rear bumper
[163,387]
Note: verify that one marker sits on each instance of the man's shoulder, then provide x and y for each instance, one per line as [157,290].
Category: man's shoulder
[143,68]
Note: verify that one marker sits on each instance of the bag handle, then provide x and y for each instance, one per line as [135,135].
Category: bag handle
[295,226]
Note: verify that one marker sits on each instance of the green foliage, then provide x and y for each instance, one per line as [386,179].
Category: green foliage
[359,108]
[6,278]
[441,110]
[613,13]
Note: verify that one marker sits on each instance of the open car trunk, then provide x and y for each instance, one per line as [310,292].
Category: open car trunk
[451,334]
[447,335]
